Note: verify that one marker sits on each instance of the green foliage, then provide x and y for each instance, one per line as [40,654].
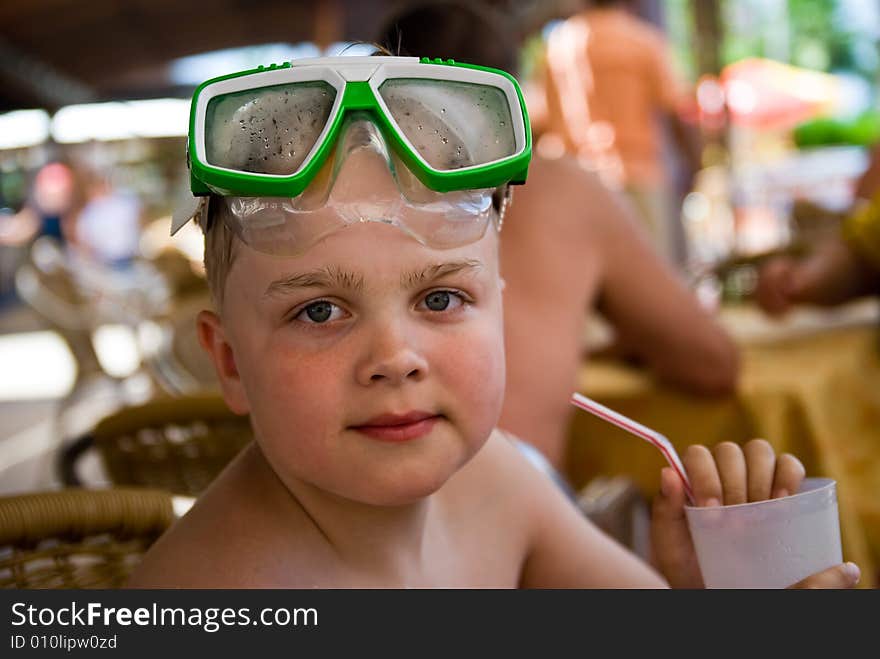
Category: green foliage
[806,33]
[863,130]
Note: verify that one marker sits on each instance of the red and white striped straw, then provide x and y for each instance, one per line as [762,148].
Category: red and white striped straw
[659,441]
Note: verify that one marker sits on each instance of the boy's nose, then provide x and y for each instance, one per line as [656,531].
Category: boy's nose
[393,360]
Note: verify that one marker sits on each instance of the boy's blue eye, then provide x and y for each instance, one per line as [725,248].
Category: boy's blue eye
[319,312]
[443,300]
[437,301]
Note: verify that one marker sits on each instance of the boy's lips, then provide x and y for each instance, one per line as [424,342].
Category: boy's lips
[398,427]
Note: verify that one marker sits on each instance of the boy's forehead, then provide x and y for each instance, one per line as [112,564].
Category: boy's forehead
[368,250]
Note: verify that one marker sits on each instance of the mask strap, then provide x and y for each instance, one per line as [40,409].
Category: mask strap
[505,196]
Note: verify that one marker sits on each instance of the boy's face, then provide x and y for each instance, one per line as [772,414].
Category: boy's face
[372,366]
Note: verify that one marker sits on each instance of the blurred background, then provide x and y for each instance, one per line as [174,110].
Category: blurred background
[779,97]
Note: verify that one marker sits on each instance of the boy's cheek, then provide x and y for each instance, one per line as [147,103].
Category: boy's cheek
[295,382]
[469,365]
[477,374]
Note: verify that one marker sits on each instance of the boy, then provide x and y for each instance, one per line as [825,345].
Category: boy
[359,323]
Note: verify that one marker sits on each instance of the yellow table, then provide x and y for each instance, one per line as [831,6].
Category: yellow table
[811,390]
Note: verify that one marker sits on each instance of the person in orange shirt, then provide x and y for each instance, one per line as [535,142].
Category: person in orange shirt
[608,79]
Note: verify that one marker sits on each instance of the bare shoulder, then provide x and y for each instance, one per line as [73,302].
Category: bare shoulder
[498,461]
[564,173]
[561,192]
[230,538]
[557,547]
[502,475]
[492,505]
[197,552]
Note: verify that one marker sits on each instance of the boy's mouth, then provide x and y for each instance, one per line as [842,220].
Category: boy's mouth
[398,427]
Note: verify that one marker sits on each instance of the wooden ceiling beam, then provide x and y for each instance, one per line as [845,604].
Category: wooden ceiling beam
[45,83]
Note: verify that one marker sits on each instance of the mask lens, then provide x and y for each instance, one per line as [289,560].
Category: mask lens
[451,124]
[269,130]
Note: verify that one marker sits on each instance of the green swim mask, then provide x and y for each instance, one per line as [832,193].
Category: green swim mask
[276,137]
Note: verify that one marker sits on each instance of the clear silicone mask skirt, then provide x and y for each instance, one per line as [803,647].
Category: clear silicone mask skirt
[363,180]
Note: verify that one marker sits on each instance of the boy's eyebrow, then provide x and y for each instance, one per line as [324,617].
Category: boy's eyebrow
[335,278]
[321,278]
[437,270]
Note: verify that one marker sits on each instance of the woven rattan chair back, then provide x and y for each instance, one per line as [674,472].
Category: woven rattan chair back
[175,444]
[77,538]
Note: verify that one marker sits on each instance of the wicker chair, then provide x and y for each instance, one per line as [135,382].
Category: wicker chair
[78,538]
[174,444]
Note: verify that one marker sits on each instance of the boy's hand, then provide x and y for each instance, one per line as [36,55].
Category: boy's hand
[724,476]
[839,576]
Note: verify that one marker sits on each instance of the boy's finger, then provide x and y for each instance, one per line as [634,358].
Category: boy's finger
[731,465]
[700,467]
[668,518]
[672,495]
[840,576]
[760,466]
[670,536]
[788,476]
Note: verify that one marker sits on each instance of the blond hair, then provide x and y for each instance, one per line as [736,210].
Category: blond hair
[219,248]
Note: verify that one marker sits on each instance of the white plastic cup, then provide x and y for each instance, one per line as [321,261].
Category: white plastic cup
[768,544]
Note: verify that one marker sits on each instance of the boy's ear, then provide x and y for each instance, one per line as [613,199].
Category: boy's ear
[213,340]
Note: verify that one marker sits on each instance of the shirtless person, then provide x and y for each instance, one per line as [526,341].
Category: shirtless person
[569,245]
